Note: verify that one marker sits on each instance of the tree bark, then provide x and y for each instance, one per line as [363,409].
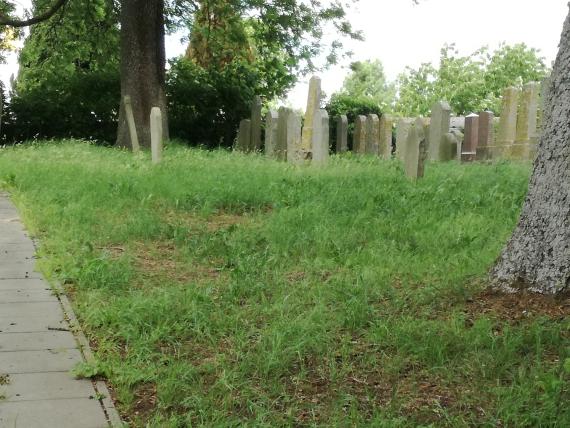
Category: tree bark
[537,256]
[142,67]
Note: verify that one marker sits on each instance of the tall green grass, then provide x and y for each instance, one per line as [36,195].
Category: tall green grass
[228,290]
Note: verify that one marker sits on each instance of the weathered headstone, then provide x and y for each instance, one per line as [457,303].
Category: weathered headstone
[281,149]
[156,134]
[402,128]
[416,149]
[385,147]
[341,134]
[507,123]
[486,135]
[457,122]
[271,121]
[255,144]
[244,135]
[527,134]
[131,124]
[439,150]
[321,138]
[372,134]
[313,105]
[471,138]
[295,153]
[454,140]
[359,136]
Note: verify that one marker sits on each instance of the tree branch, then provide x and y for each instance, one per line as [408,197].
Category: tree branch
[6,20]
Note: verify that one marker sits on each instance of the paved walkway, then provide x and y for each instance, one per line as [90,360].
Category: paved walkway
[37,349]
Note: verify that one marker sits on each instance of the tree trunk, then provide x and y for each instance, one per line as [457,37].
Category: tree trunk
[142,67]
[537,256]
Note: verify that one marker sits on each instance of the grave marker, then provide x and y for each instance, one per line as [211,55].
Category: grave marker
[507,122]
[486,135]
[156,134]
[471,139]
[386,125]
[359,137]
[295,153]
[321,138]
[439,149]
[416,149]
[130,123]
[372,134]
[271,134]
[255,144]
[244,135]
[402,129]
[341,134]
[313,105]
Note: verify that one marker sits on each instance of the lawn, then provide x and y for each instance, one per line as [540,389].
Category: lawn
[221,289]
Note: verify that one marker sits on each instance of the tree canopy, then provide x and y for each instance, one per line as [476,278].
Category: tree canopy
[367,80]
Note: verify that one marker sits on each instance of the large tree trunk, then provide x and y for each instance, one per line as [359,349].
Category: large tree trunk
[142,67]
[537,257]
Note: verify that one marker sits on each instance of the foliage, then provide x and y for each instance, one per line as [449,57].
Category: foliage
[367,80]
[469,83]
[351,107]
[7,35]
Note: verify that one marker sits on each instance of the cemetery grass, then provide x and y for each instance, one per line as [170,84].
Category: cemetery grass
[223,289]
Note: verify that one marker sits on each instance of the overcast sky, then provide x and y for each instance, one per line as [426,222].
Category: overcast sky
[401,34]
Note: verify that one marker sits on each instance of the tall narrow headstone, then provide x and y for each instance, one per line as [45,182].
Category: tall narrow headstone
[131,124]
[486,135]
[386,125]
[313,105]
[156,134]
[439,150]
[507,123]
[402,128]
[341,134]
[255,144]
[372,134]
[416,149]
[359,136]
[244,135]
[527,134]
[295,153]
[471,138]
[321,138]
[271,121]
[281,150]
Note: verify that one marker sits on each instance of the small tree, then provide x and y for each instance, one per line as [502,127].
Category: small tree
[367,80]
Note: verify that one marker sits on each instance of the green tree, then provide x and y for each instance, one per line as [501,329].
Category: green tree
[367,80]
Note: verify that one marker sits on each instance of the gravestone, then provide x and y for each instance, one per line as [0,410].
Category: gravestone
[471,138]
[131,124]
[244,135]
[454,140]
[359,136]
[313,105]
[372,134]
[439,150]
[416,149]
[527,134]
[341,134]
[255,144]
[385,147]
[507,123]
[271,122]
[321,138]
[295,152]
[156,134]
[457,122]
[283,116]
[486,135]
[402,128]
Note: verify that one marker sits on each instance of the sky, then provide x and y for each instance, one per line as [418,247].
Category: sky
[402,34]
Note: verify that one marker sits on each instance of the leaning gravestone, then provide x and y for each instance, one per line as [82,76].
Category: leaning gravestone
[128,105]
[507,123]
[321,138]
[313,105]
[372,134]
[255,144]
[271,121]
[244,135]
[439,150]
[471,138]
[402,128]
[281,150]
[385,147]
[416,149]
[359,136]
[486,135]
[341,134]
[295,152]
[156,134]
[527,135]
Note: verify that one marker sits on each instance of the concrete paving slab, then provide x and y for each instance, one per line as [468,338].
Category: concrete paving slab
[32,309]
[45,386]
[27,296]
[59,360]
[46,322]
[23,284]
[36,341]
[65,413]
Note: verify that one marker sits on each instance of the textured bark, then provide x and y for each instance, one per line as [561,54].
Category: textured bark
[537,257]
[142,67]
